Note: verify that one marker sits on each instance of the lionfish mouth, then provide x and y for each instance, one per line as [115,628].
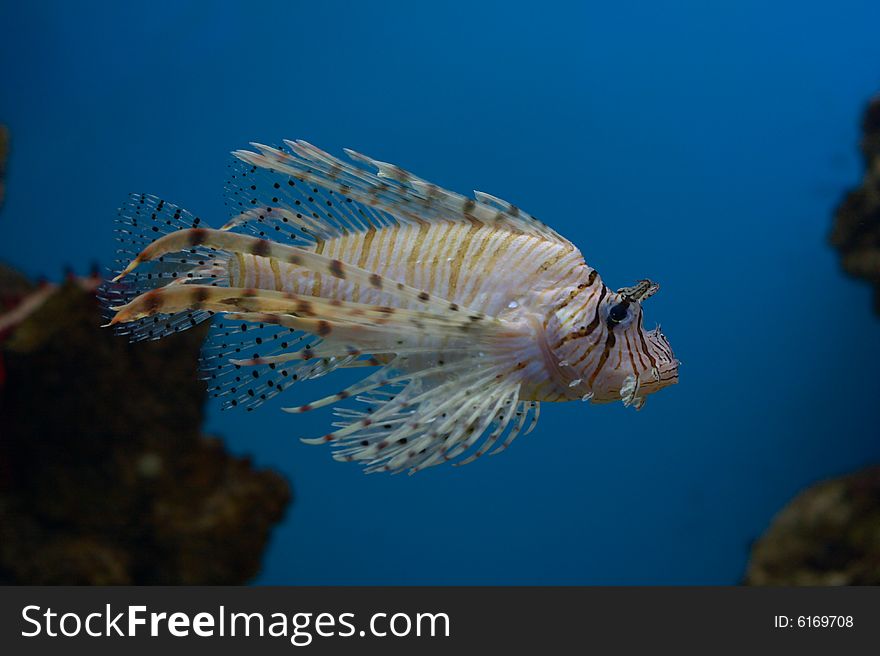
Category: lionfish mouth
[667,363]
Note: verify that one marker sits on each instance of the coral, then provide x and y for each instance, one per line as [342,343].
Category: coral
[13,286]
[828,535]
[856,231]
[105,476]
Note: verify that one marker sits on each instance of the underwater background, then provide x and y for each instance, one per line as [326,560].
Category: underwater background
[703,145]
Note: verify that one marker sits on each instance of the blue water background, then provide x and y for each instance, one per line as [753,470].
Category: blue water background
[704,145]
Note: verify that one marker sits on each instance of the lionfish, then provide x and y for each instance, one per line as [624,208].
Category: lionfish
[471,311]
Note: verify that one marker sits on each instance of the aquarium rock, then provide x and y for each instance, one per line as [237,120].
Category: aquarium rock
[105,474]
[828,535]
[856,231]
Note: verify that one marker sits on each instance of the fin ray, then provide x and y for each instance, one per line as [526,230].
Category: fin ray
[424,417]
[396,194]
[142,220]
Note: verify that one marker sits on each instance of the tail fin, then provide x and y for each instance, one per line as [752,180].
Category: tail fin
[142,220]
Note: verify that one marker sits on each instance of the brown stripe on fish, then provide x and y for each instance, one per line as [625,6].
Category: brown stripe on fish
[459,257]
[465,273]
[366,242]
[635,345]
[665,349]
[240,259]
[256,271]
[632,352]
[552,261]
[585,354]
[588,329]
[609,344]
[595,322]
[316,286]
[573,274]
[577,312]
[354,253]
[645,347]
[480,242]
[276,270]
[441,240]
[573,294]
[629,350]
[499,251]
[424,228]
[419,276]
[513,249]
[376,259]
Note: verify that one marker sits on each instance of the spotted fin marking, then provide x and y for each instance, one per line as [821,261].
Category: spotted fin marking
[334,350]
[468,424]
[368,326]
[393,194]
[529,411]
[242,360]
[243,343]
[507,413]
[266,204]
[236,386]
[140,221]
[351,330]
[426,417]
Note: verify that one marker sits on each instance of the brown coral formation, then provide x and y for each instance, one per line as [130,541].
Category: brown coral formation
[105,476]
[856,231]
[828,535]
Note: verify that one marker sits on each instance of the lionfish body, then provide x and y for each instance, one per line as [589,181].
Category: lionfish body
[471,311]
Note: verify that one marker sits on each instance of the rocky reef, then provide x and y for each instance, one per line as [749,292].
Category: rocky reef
[856,230]
[828,535]
[105,475]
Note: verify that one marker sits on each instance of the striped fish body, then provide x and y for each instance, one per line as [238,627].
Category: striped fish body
[473,311]
[518,276]
[473,266]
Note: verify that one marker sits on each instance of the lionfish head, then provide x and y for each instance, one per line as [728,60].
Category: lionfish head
[617,359]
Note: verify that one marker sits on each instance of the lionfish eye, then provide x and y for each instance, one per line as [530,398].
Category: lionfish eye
[618,312]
